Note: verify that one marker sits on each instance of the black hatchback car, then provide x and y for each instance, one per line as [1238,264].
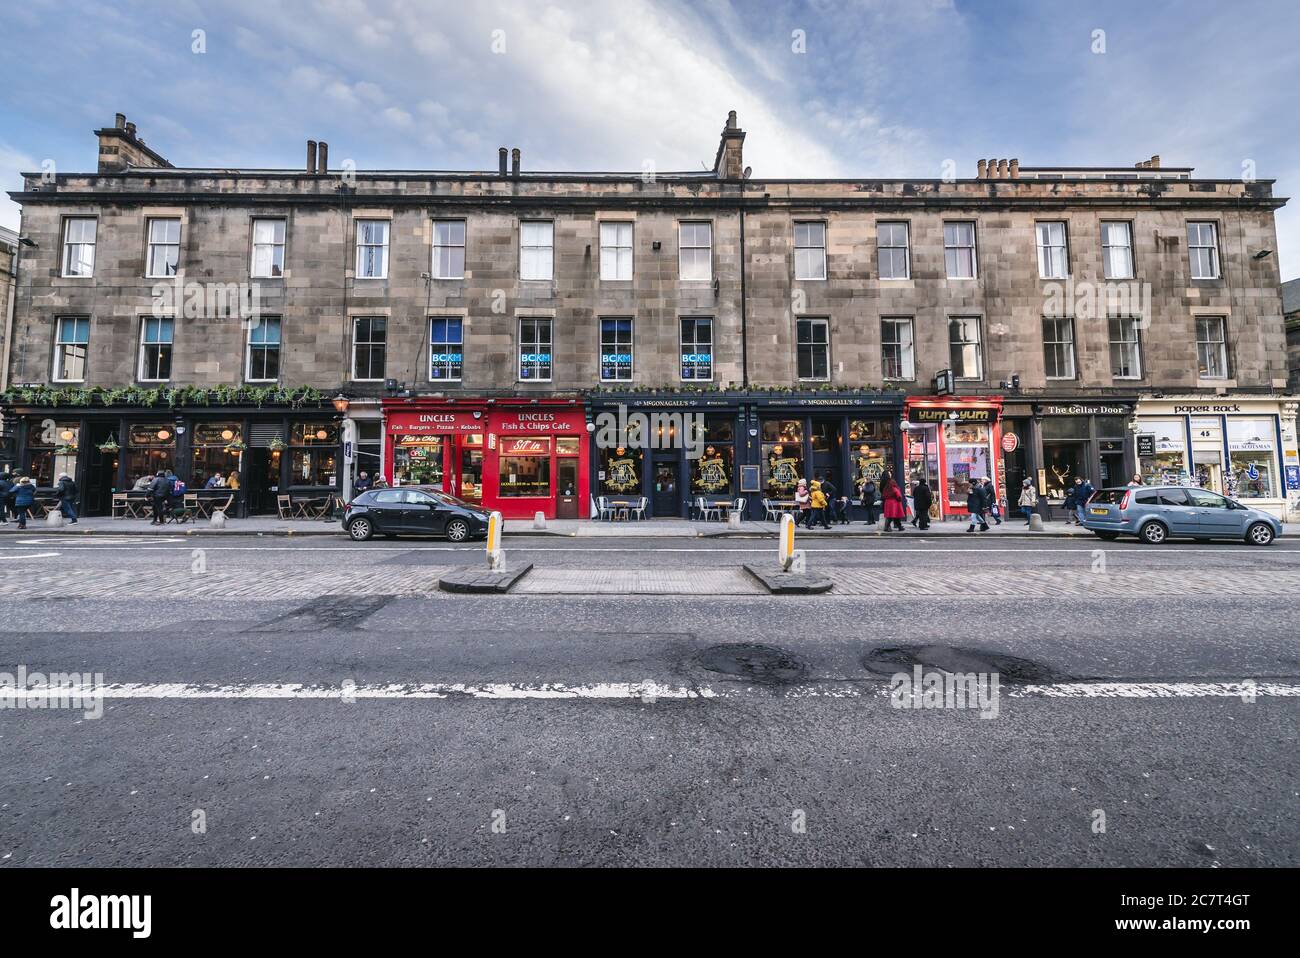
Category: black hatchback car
[413,511]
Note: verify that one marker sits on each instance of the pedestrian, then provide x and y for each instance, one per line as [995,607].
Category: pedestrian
[976,505]
[837,506]
[66,490]
[803,502]
[362,483]
[922,499]
[160,491]
[1071,496]
[991,501]
[1028,499]
[24,496]
[1083,491]
[868,493]
[1136,480]
[6,487]
[820,506]
[895,508]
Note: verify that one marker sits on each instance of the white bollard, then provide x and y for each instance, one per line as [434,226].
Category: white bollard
[539,520]
[733,519]
[54,519]
[217,520]
[791,560]
[496,557]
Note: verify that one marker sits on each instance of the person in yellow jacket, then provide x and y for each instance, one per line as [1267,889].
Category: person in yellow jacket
[818,500]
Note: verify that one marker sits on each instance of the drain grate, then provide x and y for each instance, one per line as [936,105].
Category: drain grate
[1011,670]
[760,664]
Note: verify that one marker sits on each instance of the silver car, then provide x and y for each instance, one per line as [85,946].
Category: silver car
[1157,513]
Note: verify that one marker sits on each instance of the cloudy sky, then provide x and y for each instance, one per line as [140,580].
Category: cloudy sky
[842,88]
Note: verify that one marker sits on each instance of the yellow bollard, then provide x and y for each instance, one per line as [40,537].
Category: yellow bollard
[790,560]
[496,558]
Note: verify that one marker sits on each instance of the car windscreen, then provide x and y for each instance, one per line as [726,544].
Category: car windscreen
[1109,497]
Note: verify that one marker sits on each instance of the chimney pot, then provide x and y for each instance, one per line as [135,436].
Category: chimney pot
[1002,169]
[130,128]
[982,169]
[514,162]
[502,160]
[311,156]
[1155,161]
[323,158]
[731,120]
[119,121]
[1015,168]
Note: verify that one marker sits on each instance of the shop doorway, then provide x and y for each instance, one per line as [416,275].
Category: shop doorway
[263,480]
[468,471]
[101,473]
[664,495]
[566,501]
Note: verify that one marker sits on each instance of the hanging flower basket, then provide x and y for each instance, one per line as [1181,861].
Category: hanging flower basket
[276,444]
[65,450]
[109,446]
[236,445]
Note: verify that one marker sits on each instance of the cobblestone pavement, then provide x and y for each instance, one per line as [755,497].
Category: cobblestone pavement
[180,582]
[640,582]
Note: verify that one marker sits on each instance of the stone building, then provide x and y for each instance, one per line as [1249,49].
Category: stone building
[477,327]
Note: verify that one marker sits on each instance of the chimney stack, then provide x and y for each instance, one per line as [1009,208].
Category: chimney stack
[323,158]
[729,164]
[502,155]
[982,169]
[1155,161]
[311,156]
[514,162]
[119,121]
[120,149]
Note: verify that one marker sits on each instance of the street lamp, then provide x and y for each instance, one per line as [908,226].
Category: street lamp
[341,403]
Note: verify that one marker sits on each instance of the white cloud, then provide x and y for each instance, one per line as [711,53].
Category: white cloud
[13,163]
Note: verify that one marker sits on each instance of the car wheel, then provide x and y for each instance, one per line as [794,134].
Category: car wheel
[361,529]
[1153,533]
[1108,536]
[457,530]
[1259,534]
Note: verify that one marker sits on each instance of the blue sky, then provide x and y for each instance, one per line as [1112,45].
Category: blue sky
[881,88]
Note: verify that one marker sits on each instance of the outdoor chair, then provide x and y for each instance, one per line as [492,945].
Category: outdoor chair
[771,512]
[706,509]
[640,507]
[121,507]
[738,507]
[284,505]
[602,508]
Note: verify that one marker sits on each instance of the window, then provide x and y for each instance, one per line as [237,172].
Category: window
[1203,248]
[524,467]
[449,249]
[697,350]
[809,250]
[959,250]
[313,447]
[615,251]
[71,342]
[695,251]
[814,350]
[896,348]
[369,347]
[1117,250]
[1211,347]
[535,350]
[1058,348]
[263,350]
[372,249]
[1125,350]
[536,250]
[155,349]
[446,348]
[1053,263]
[964,347]
[615,350]
[79,246]
[268,249]
[164,247]
[892,251]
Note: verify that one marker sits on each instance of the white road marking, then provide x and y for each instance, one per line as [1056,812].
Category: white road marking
[29,555]
[91,540]
[645,690]
[513,547]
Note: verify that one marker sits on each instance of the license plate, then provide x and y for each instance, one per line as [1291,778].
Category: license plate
[1100,512]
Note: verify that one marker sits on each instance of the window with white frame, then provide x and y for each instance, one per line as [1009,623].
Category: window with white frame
[615,350]
[535,349]
[369,347]
[615,251]
[156,349]
[896,352]
[536,249]
[813,347]
[1058,347]
[1203,249]
[268,248]
[71,348]
[79,245]
[448,249]
[1212,347]
[446,349]
[164,247]
[1053,258]
[263,363]
[959,250]
[892,251]
[697,349]
[1117,249]
[809,250]
[372,249]
[1125,348]
[695,251]
[965,352]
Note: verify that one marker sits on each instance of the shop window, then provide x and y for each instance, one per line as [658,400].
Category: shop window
[446,348]
[871,460]
[616,350]
[150,447]
[534,350]
[1168,466]
[52,448]
[712,472]
[525,467]
[417,460]
[697,349]
[366,457]
[878,430]
[825,436]
[967,454]
[1252,448]
[217,452]
[567,446]
[313,448]
[783,457]
[620,471]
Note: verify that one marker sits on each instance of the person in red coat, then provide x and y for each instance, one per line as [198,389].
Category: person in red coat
[895,507]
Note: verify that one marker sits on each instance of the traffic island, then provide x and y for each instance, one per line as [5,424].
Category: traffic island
[480,580]
[790,583]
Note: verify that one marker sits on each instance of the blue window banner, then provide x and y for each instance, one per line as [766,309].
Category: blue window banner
[446,348]
[616,349]
[697,365]
[696,353]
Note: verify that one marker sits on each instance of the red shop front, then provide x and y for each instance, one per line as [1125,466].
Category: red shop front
[954,441]
[519,457]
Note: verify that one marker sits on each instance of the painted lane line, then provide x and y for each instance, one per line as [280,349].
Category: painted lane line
[646,690]
[29,555]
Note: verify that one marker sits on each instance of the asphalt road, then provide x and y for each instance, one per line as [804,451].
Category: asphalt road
[611,730]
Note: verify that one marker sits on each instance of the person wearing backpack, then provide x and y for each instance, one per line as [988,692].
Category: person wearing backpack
[66,490]
[24,495]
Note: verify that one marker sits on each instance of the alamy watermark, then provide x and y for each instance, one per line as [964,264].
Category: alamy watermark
[934,689]
[658,430]
[180,299]
[55,690]
[1106,300]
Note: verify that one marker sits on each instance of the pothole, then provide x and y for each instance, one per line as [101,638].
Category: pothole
[1011,670]
[760,664]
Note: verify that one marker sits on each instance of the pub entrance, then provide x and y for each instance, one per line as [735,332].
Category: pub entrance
[665,499]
